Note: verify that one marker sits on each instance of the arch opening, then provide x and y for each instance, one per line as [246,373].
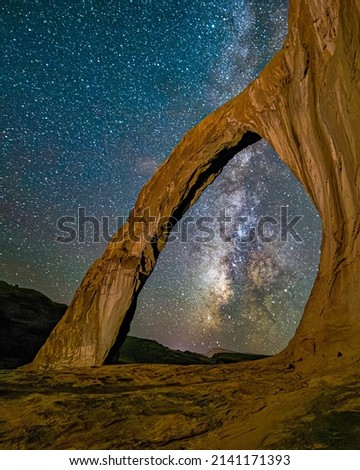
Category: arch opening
[215,286]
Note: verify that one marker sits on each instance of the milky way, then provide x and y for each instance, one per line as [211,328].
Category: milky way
[96,94]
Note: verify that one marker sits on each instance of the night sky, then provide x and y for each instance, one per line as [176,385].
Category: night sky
[95,96]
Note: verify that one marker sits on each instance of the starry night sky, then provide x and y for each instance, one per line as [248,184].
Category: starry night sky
[95,96]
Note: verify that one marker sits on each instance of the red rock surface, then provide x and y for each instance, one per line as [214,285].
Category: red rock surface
[258,405]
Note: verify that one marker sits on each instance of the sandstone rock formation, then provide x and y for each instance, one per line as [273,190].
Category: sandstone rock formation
[306,104]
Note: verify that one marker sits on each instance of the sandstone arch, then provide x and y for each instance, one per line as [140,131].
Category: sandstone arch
[306,104]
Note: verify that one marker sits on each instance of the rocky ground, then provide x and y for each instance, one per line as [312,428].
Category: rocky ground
[262,404]
[256,405]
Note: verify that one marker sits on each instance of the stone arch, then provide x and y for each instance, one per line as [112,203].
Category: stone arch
[306,104]
[191,302]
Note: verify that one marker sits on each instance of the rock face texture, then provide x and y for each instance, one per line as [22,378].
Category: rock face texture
[306,104]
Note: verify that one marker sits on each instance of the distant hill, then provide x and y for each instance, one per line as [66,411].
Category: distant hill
[219,350]
[26,320]
[226,358]
[223,356]
[27,317]
[139,350]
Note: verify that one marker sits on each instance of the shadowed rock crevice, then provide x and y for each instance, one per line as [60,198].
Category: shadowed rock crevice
[306,104]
